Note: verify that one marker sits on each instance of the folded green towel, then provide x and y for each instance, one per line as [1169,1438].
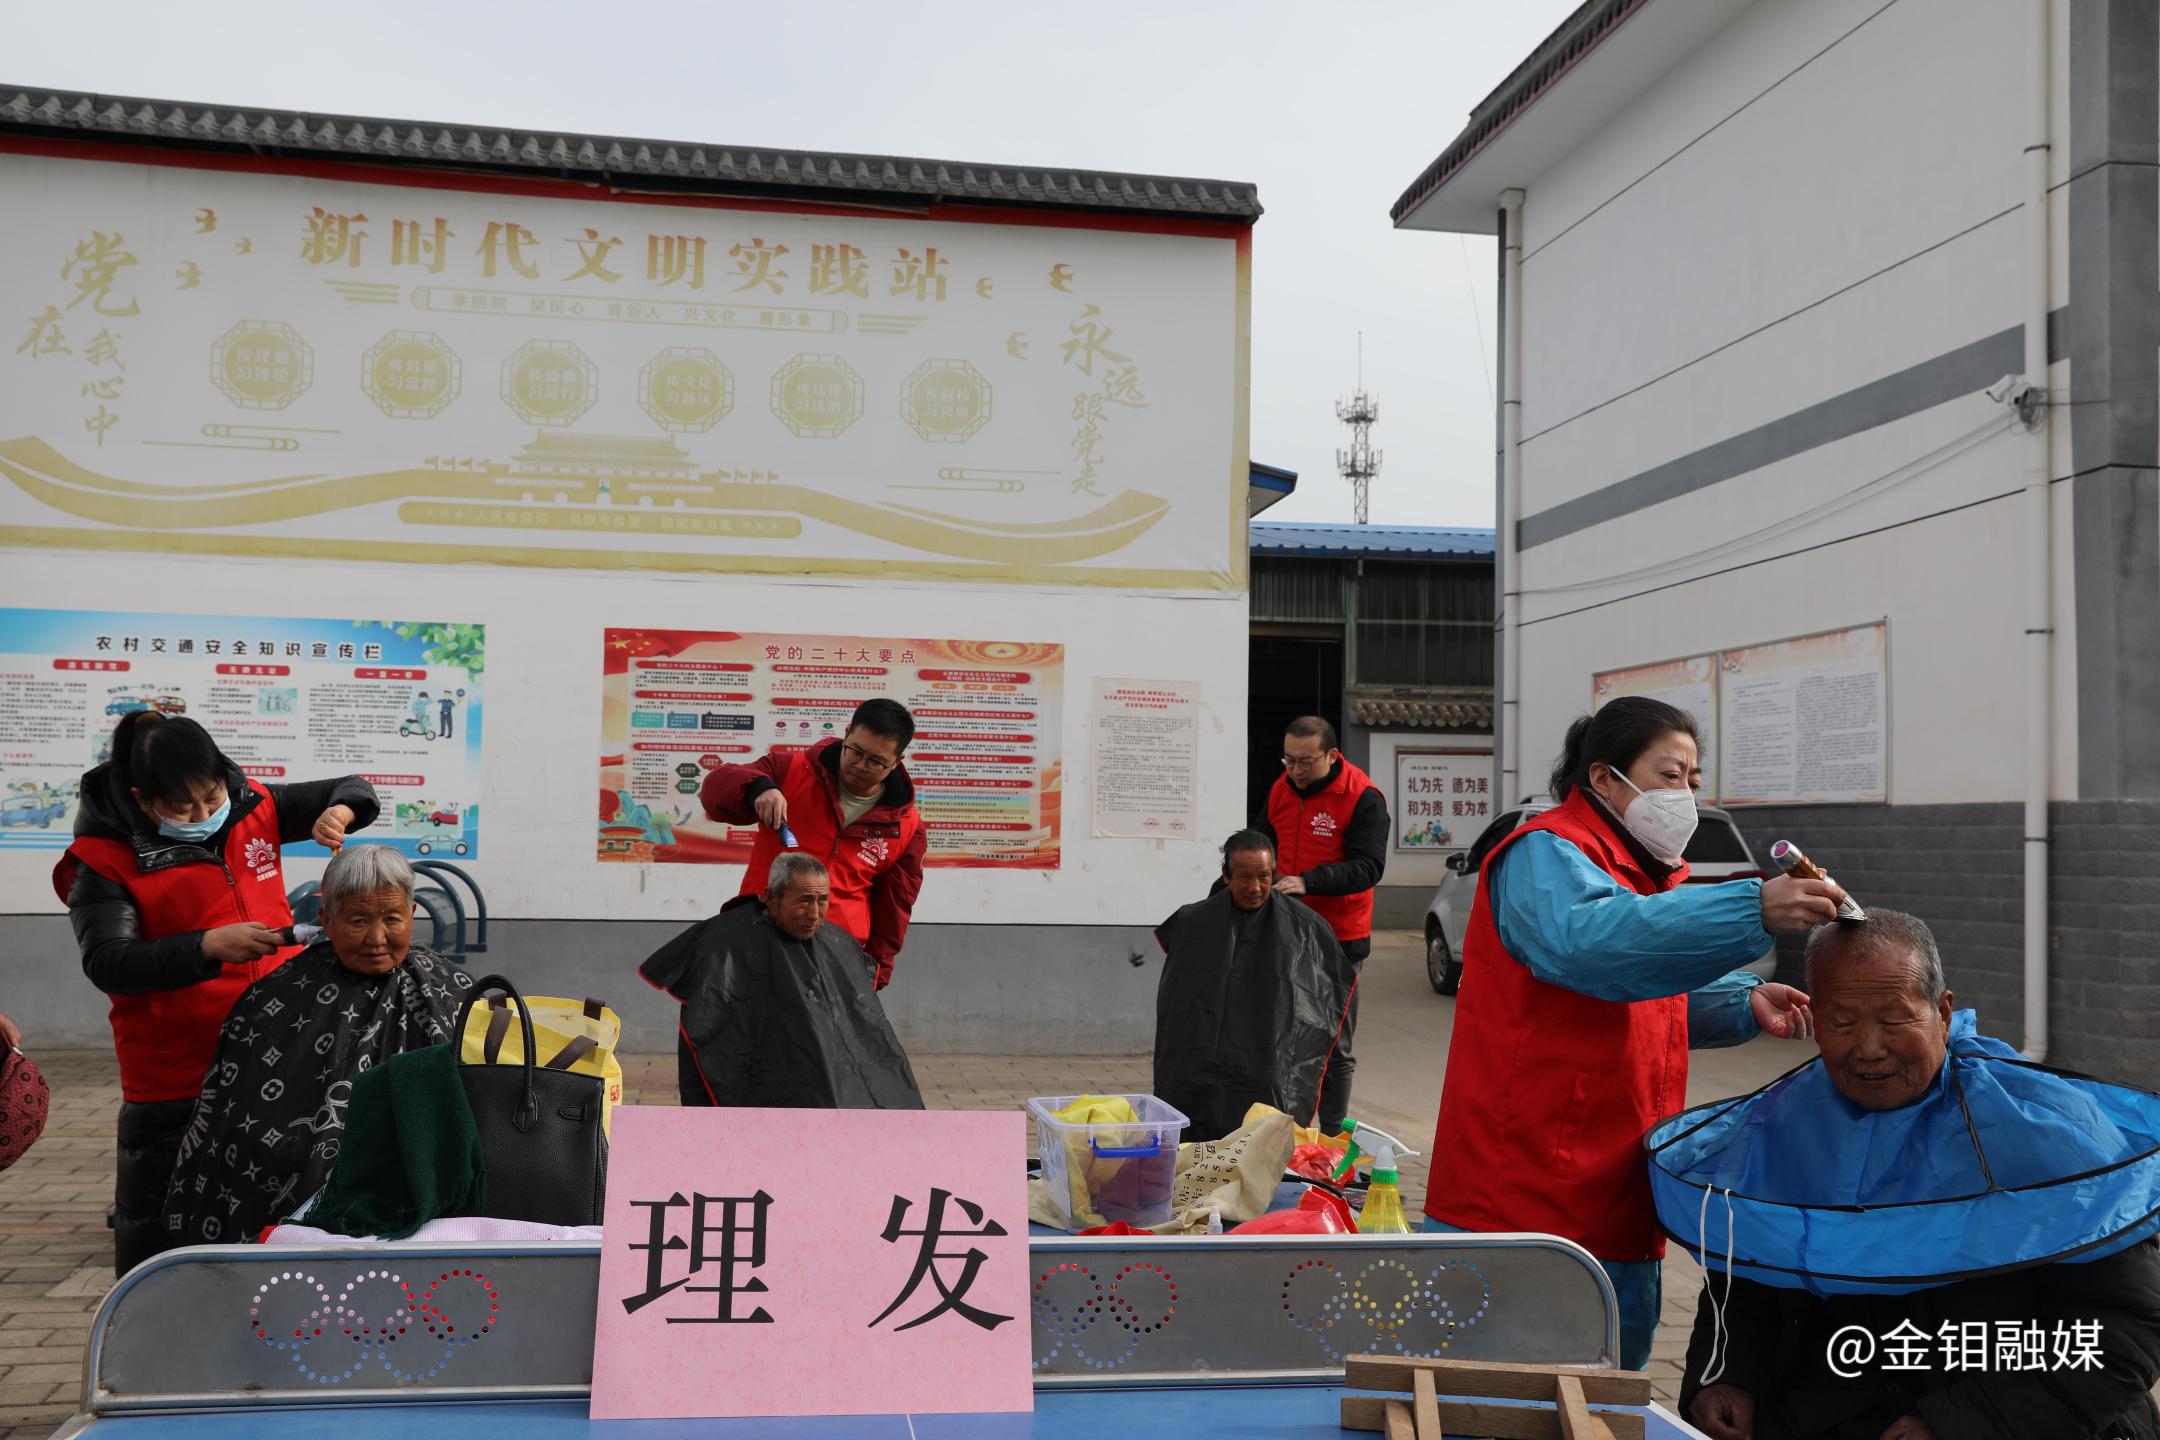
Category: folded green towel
[411,1151]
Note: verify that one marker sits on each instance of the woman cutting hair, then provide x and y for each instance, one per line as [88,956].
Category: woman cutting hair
[177,894]
[1587,974]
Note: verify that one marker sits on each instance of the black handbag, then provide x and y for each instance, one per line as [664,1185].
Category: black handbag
[540,1127]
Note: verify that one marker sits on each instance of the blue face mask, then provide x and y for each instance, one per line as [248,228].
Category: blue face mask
[195,831]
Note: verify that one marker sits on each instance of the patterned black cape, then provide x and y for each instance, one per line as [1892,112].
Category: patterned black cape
[266,1131]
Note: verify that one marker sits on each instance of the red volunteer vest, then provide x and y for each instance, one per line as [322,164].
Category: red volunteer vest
[166,1039]
[853,857]
[1548,1092]
[1308,833]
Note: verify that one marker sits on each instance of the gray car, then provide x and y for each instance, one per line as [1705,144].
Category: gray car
[1717,853]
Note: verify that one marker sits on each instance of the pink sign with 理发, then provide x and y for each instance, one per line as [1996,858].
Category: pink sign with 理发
[813,1262]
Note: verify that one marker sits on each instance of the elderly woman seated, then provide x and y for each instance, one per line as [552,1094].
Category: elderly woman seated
[1871,1189]
[266,1131]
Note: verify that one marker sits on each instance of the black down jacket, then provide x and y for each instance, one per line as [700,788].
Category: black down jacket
[1777,1350]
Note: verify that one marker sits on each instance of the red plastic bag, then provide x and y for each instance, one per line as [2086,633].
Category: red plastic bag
[1315,1162]
[1318,1212]
[1115,1227]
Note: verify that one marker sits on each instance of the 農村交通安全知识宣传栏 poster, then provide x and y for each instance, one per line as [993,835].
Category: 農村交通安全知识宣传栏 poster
[287,700]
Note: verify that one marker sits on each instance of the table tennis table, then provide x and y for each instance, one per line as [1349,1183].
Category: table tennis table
[1149,1337]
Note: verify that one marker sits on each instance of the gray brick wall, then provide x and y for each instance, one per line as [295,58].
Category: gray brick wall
[1961,869]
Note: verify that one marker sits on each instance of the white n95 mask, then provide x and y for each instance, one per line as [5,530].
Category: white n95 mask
[1664,820]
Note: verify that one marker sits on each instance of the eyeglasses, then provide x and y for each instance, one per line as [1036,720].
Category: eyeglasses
[875,764]
[1303,762]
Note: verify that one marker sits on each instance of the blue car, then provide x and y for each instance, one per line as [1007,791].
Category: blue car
[126,705]
[28,810]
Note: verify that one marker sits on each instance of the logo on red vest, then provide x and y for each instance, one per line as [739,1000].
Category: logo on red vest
[1323,823]
[875,851]
[262,857]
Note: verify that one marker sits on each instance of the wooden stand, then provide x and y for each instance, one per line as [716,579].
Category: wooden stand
[1569,1390]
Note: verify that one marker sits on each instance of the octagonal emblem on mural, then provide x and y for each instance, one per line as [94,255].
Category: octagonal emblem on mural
[411,374]
[945,400]
[686,389]
[817,396]
[549,382]
[262,365]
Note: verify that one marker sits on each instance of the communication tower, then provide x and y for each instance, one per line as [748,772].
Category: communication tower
[1359,463]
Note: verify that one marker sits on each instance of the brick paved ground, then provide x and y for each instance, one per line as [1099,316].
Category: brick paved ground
[55,1252]
[56,1255]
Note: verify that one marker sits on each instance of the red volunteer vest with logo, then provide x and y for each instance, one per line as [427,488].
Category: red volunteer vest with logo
[1548,1092]
[1309,832]
[165,1039]
[853,858]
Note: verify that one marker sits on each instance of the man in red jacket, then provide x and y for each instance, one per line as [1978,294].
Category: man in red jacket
[1329,823]
[850,803]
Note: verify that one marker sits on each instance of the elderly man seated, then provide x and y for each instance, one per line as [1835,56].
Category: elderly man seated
[780,1008]
[1903,1138]
[1251,998]
[266,1130]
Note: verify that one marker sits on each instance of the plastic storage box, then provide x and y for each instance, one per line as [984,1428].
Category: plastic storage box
[1100,1173]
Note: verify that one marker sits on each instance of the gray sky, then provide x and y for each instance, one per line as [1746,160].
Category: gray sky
[1331,109]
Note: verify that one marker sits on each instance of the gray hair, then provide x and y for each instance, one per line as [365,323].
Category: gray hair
[362,870]
[786,866]
[1884,935]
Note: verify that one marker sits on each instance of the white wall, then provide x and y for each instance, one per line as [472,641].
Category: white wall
[1731,250]
[539,791]
[1159,503]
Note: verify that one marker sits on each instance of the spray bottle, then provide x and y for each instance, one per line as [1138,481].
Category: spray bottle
[1383,1212]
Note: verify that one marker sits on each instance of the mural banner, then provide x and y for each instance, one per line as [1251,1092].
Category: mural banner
[212,362]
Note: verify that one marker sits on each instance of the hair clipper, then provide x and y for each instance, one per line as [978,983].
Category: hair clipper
[1787,857]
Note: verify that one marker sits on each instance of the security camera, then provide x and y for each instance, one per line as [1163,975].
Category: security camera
[2020,395]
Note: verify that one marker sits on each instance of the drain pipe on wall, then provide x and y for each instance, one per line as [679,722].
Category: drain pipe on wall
[2031,401]
[1511,202]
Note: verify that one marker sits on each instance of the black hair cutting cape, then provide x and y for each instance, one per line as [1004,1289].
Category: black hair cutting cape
[1247,1010]
[769,1020]
[267,1129]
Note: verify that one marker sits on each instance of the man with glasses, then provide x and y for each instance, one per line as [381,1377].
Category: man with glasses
[1329,823]
[848,802]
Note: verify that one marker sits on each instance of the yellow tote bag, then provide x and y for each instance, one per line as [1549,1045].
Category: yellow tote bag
[575,1035]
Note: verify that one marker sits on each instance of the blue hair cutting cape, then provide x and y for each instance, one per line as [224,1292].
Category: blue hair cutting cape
[2001,1165]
